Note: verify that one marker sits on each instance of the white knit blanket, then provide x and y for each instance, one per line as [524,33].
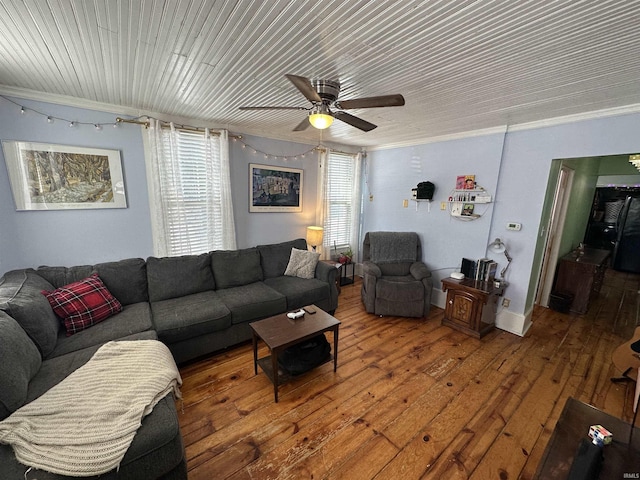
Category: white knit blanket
[84,425]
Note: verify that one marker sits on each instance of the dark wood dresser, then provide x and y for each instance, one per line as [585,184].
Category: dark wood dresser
[471,305]
[581,276]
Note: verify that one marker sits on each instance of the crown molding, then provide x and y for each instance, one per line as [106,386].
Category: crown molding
[547,122]
[66,100]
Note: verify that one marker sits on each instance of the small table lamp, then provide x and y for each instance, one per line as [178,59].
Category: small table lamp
[498,246]
[314,236]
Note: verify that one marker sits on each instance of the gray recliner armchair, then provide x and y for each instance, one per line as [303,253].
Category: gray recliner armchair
[396,281]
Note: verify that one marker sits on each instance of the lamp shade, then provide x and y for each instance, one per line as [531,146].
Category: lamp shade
[497,246]
[320,117]
[314,236]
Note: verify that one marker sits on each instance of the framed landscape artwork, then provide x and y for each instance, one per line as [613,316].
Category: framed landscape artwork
[58,177]
[274,189]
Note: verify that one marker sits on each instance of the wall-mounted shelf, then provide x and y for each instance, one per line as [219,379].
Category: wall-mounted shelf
[469,204]
[420,200]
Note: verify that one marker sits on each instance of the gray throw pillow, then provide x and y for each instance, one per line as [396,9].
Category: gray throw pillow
[20,362]
[302,263]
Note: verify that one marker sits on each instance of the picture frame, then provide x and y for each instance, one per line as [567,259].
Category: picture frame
[46,176]
[275,189]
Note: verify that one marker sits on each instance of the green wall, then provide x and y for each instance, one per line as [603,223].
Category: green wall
[580,200]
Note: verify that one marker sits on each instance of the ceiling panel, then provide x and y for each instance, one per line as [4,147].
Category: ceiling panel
[461,65]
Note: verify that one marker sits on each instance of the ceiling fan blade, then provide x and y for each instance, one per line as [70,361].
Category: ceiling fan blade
[272,108]
[304,85]
[354,121]
[303,125]
[396,100]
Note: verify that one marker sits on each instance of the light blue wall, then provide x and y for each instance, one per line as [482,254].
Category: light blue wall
[73,237]
[518,182]
[517,178]
[391,174]
[268,227]
[523,181]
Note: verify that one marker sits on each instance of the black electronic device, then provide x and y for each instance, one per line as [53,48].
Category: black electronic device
[587,462]
[425,191]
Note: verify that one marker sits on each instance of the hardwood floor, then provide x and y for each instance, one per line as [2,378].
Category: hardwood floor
[411,398]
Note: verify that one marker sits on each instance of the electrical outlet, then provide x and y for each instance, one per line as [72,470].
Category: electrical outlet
[506,302]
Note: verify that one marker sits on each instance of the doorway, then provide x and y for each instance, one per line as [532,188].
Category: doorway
[554,231]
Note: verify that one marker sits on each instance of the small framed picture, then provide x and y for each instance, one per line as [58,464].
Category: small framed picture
[465,182]
[274,189]
[467,210]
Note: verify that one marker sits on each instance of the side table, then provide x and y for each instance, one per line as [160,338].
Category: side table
[471,305]
[338,266]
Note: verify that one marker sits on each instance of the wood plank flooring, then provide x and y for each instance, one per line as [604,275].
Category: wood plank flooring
[411,398]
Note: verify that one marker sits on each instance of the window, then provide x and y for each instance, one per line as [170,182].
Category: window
[190,194]
[342,201]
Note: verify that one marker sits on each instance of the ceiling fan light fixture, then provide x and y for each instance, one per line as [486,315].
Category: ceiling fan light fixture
[320,117]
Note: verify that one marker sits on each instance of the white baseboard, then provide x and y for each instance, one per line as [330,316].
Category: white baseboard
[515,323]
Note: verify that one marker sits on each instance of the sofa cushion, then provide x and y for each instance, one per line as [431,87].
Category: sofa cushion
[400,289]
[302,264]
[190,316]
[83,304]
[232,268]
[252,302]
[60,276]
[299,291]
[125,279]
[56,369]
[174,277]
[21,297]
[132,319]
[20,362]
[274,258]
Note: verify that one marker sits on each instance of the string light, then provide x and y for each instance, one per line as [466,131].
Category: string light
[52,118]
[99,126]
[266,155]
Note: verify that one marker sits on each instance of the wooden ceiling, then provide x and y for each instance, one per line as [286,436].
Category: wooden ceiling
[461,65]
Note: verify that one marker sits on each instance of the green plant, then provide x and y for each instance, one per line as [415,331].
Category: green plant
[346,256]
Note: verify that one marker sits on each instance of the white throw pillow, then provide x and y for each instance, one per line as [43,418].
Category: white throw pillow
[302,263]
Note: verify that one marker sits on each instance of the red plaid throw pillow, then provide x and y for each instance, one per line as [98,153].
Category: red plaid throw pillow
[83,304]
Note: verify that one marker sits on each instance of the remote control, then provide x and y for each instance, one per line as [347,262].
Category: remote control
[294,315]
[310,310]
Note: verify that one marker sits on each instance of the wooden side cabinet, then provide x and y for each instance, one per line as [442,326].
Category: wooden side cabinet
[581,276]
[471,305]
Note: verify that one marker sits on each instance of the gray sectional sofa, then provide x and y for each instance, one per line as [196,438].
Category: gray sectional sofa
[195,304]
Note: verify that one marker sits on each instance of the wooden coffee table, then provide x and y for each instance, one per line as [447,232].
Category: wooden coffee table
[620,458]
[280,332]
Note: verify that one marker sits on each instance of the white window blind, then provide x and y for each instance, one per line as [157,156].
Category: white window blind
[339,219]
[184,191]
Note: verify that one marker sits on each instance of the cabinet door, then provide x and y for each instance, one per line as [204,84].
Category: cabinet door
[462,308]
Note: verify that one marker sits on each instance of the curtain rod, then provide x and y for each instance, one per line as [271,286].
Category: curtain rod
[186,128]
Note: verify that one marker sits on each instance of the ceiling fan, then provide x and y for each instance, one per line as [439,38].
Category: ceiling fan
[325,106]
